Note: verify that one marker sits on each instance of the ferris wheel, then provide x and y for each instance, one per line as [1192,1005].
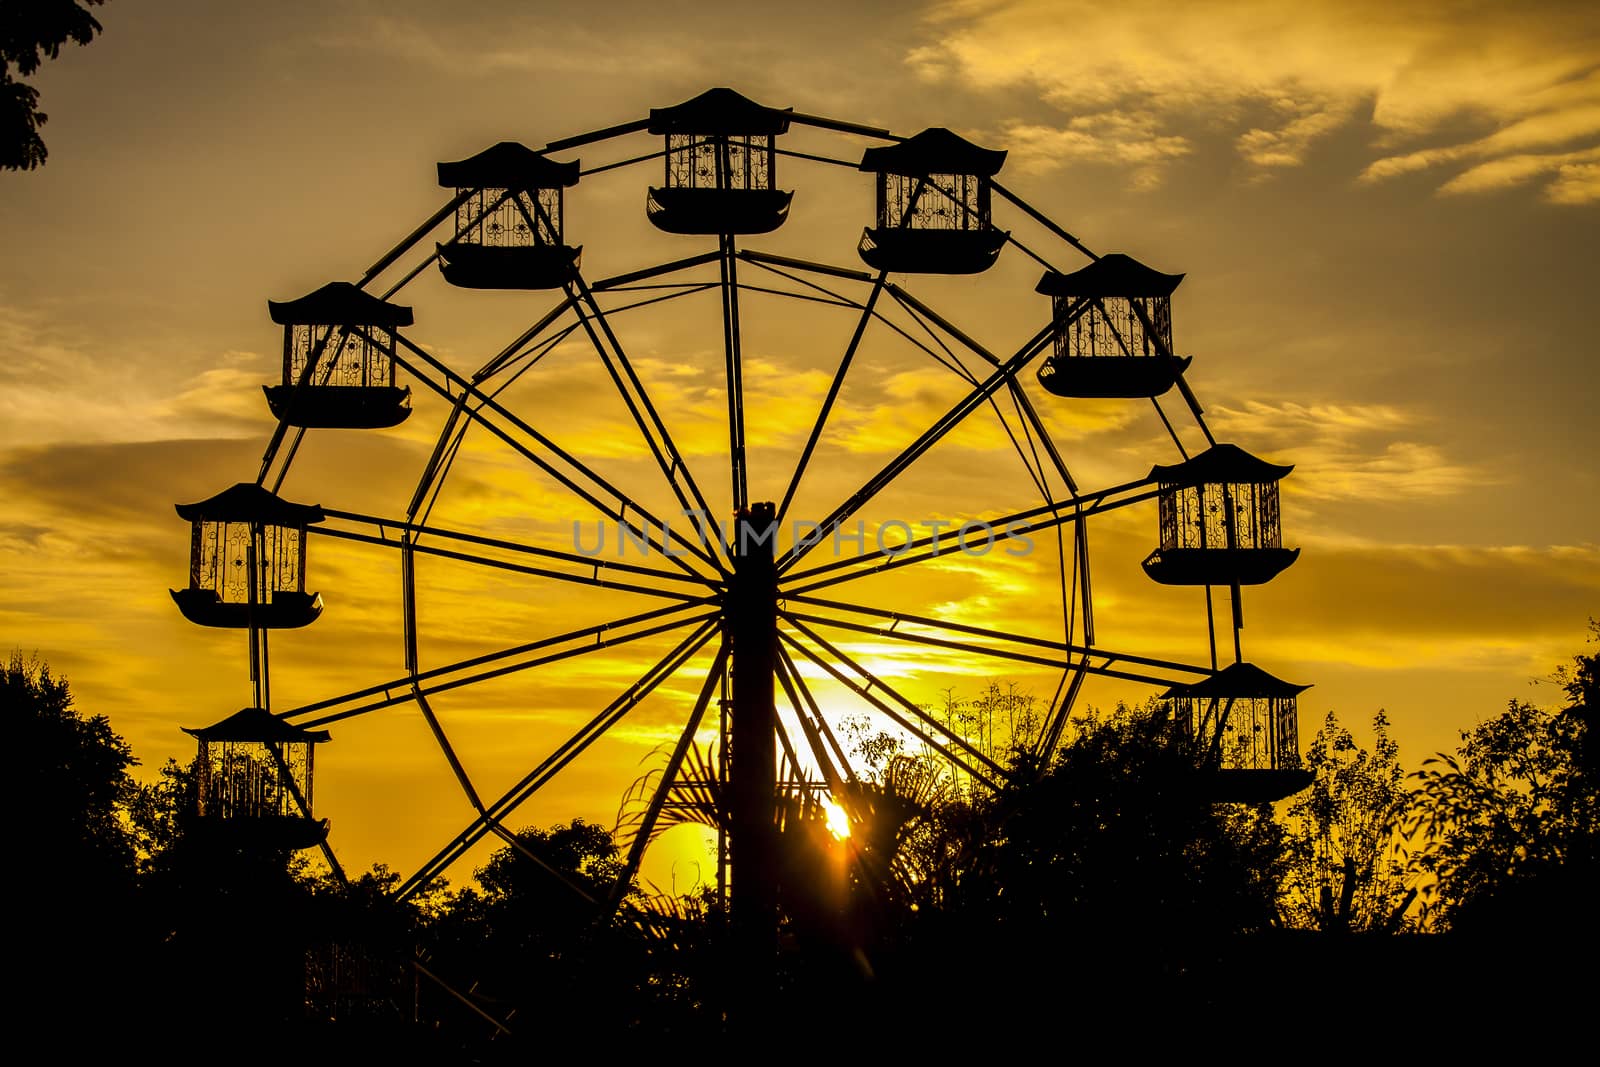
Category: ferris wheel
[745,588]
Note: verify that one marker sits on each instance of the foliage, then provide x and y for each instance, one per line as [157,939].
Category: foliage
[1116,843]
[1508,825]
[548,865]
[538,938]
[1002,722]
[999,722]
[1345,868]
[161,812]
[74,772]
[30,32]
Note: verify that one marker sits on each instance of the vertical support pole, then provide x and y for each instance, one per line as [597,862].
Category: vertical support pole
[724,703]
[1230,519]
[752,627]
[1211,628]
[731,342]
[252,575]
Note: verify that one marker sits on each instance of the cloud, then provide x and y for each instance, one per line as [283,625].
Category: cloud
[1576,176]
[1125,137]
[1351,452]
[1515,79]
[57,385]
[1575,183]
[1288,144]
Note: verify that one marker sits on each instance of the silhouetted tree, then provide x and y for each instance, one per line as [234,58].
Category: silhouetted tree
[72,772]
[32,31]
[161,812]
[228,914]
[538,940]
[71,916]
[1510,823]
[1106,871]
[1001,721]
[361,945]
[1345,869]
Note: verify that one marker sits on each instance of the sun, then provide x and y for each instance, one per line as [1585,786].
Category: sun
[838,820]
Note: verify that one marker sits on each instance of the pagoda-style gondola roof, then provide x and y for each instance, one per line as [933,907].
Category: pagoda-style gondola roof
[508,165]
[719,111]
[1238,680]
[1113,274]
[933,151]
[257,724]
[338,304]
[1219,463]
[248,502]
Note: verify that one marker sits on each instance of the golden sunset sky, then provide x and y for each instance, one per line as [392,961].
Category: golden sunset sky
[1388,215]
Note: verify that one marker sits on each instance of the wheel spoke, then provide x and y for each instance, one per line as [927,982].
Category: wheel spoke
[282,429]
[437,728]
[594,578]
[591,731]
[454,432]
[819,751]
[1043,517]
[916,449]
[669,777]
[637,400]
[1065,648]
[829,296]
[616,512]
[832,394]
[910,706]
[864,692]
[922,311]
[399,690]
[1050,737]
[416,235]
[415,530]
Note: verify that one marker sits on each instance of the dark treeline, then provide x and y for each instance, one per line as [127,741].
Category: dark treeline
[1100,894]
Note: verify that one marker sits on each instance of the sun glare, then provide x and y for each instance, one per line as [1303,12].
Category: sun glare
[838,820]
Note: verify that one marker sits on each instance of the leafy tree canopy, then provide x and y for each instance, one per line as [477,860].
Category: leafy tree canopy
[1345,869]
[1116,841]
[32,31]
[1509,824]
[73,771]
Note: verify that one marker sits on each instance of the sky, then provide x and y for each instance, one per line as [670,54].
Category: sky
[1386,215]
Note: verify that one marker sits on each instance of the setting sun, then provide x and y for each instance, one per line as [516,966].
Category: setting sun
[838,820]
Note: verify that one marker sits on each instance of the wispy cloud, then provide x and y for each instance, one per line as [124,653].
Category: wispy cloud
[1130,138]
[1352,452]
[1519,81]
[57,386]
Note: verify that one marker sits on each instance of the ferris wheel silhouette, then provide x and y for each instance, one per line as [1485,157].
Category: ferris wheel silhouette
[725,575]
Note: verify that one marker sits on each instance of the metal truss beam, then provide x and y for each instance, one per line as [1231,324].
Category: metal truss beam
[400,690]
[591,731]
[414,530]
[615,512]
